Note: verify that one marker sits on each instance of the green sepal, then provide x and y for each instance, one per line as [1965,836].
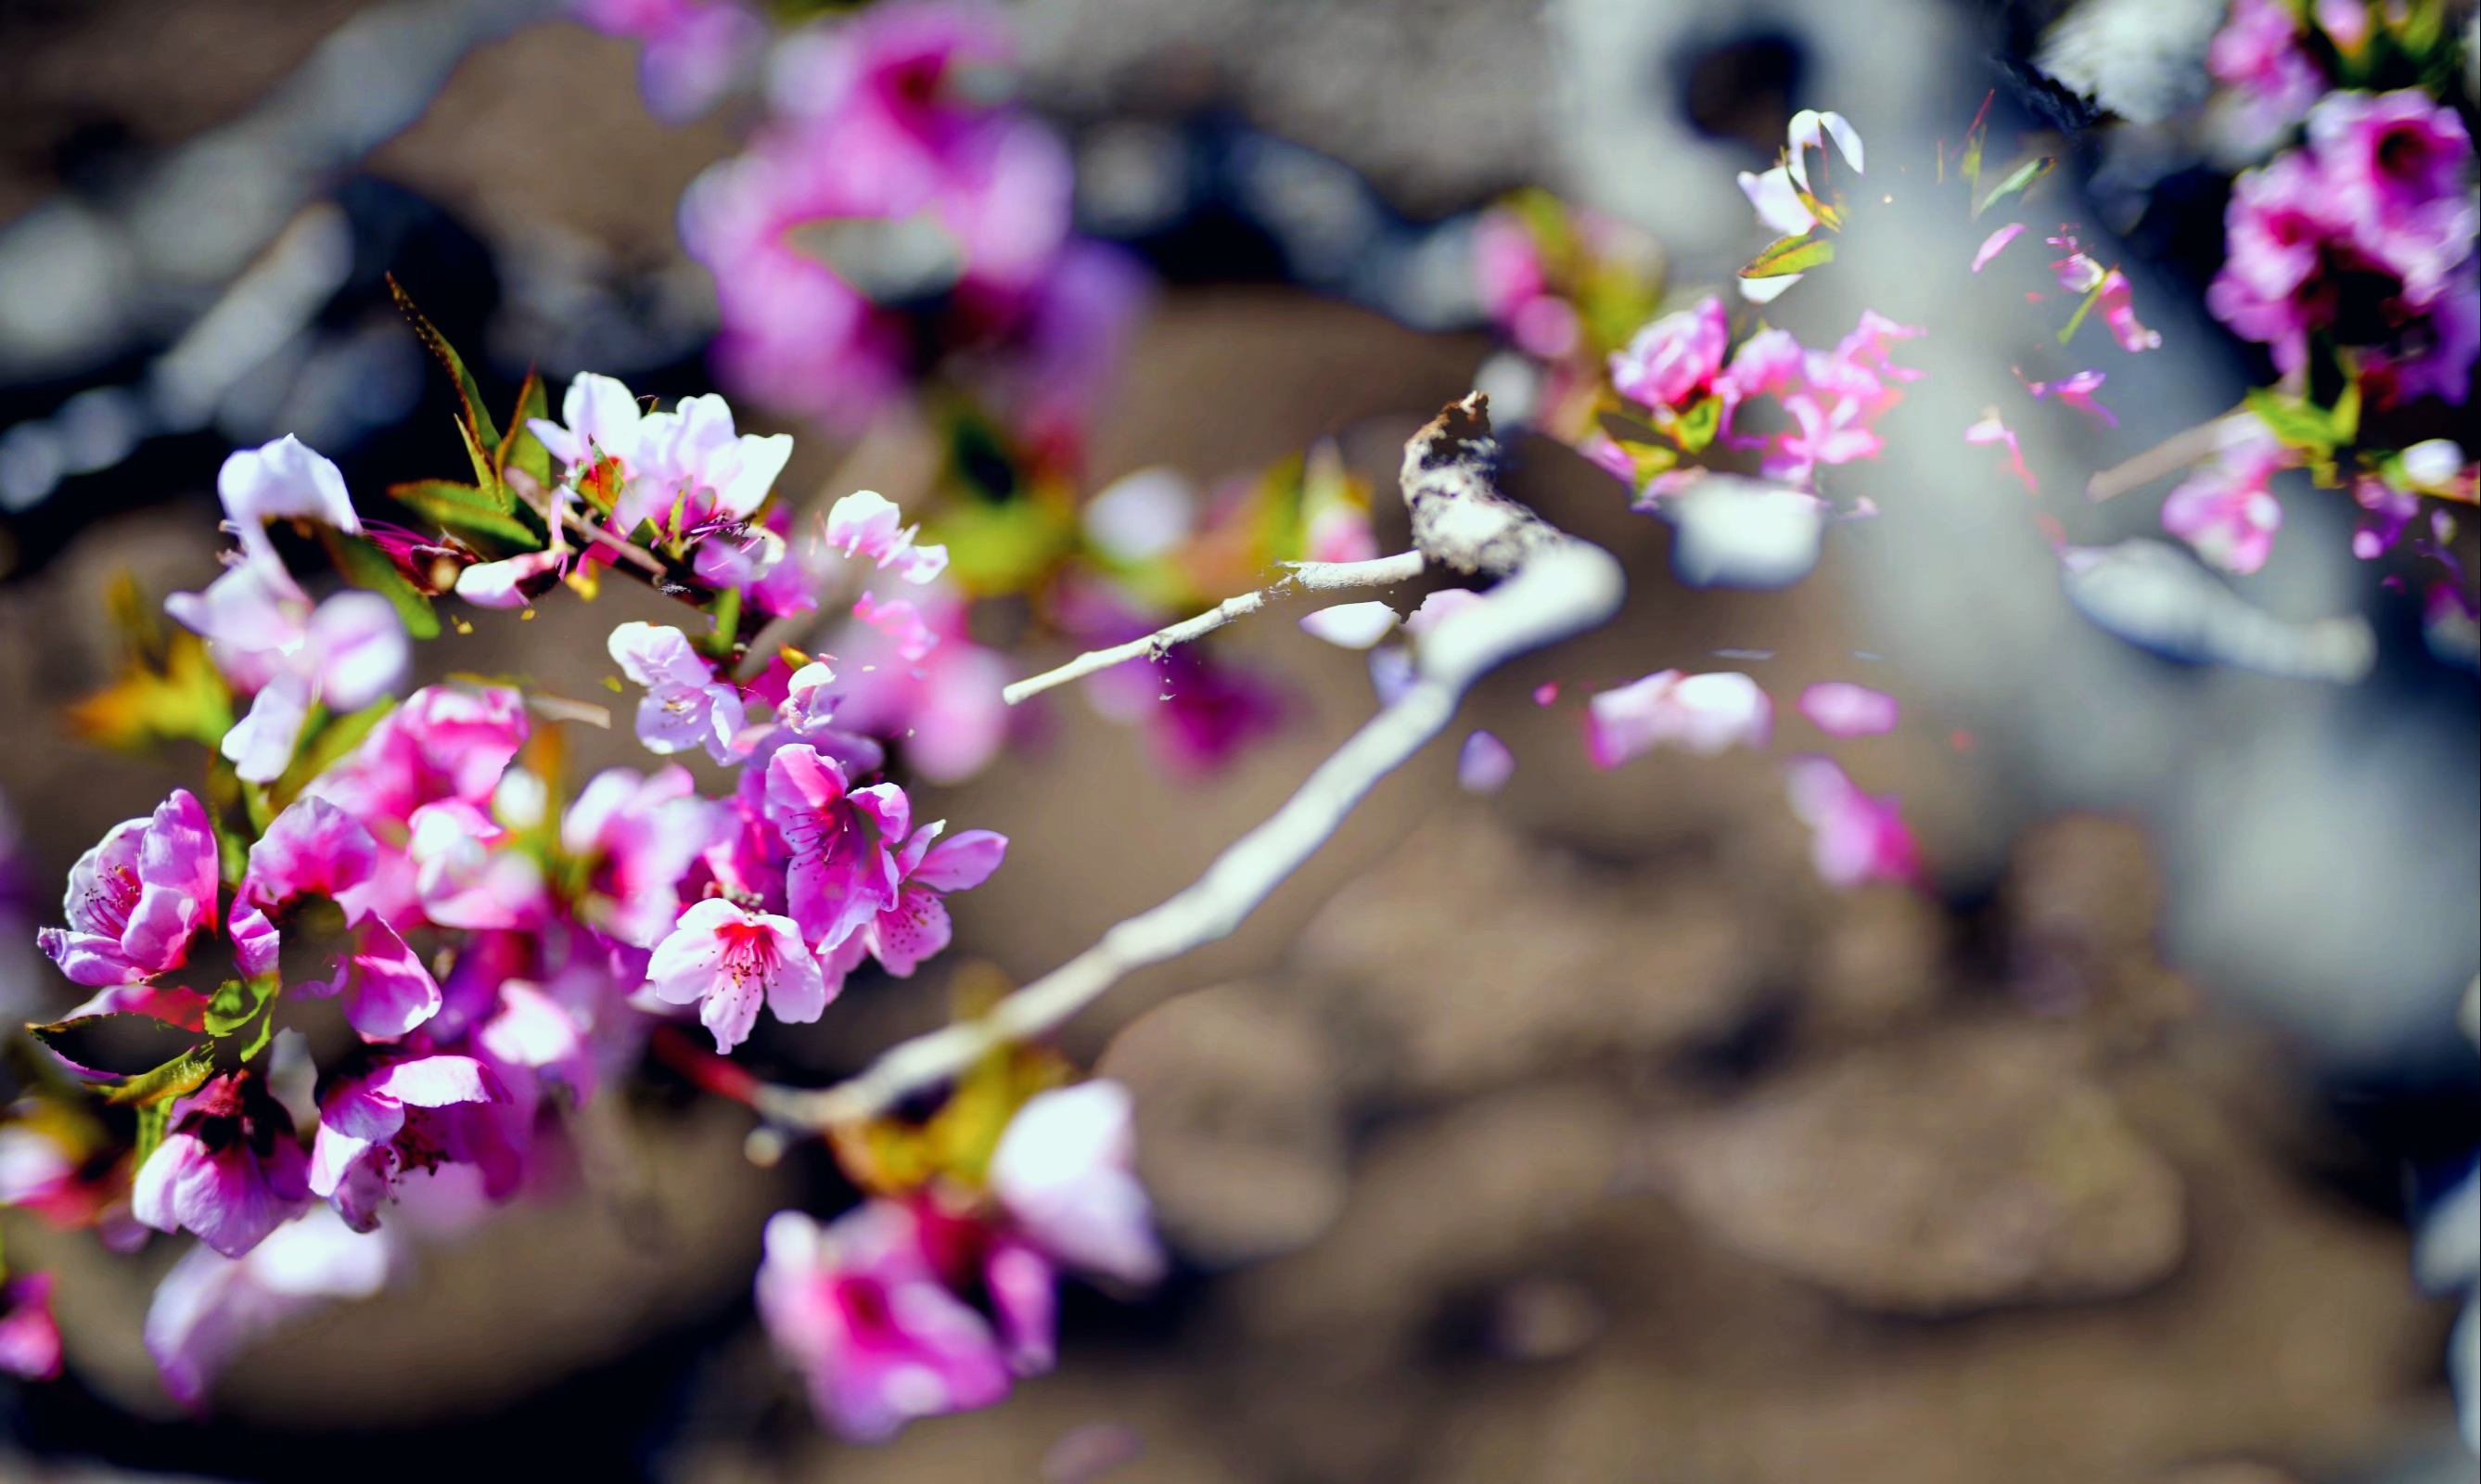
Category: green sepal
[1792,256]
[154,1120]
[177,1077]
[725,610]
[365,566]
[235,1003]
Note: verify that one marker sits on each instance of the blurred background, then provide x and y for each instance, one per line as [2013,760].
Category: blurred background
[1574,1133]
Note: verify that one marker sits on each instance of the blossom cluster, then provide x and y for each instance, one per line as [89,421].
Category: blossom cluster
[496,947]
[892,190]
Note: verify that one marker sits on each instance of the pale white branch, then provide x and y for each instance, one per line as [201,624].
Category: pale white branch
[1301,577]
[1564,588]
[1554,587]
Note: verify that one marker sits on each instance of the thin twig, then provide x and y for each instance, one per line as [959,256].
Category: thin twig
[1302,577]
[2168,457]
[1555,586]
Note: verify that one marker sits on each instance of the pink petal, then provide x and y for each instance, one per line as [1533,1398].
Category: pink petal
[1841,709]
[312,848]
[1995,244]
[914,929]
[963,860]
[437,1081]
[1062,1171]
[1484,765]
[387,991]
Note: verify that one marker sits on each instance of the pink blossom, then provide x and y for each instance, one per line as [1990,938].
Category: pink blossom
[639,838]
[315,850]
[136,899]
[376,1127]
[901,622]
[726,960]
[858,1309]
[1857,836]
[312,848]
[1064,1173]
[1675,357]
[445,742]
[845,863]
[865,524]
[208,1306]
[1995,244]
[2112,293]
[2398,167]
[2224,509]
[265,636]
[281,480]
[684,705]
[1706,714]
[1991,432]
[1841,709]
[2390,512]
[2434,352]
[29,1342]
[694,51]
[388,991]
[693,470]
[599,419]
[1507,267]
[466,875]
[916,925]
[2271,286]
[2076,390]
[2257,54]
[945,709]
[229,1169]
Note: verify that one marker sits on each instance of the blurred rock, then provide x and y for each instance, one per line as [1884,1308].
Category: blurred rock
[1473,959]
[1239,1138]
[1878,961]
[2082,906]
[1946,1174]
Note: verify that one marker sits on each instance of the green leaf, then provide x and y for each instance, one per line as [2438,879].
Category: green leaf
[474,418]
[177,1077]
[153,1119]
[468,508]
[364,565]
[1696,428]
[1792,256]
[328,743]
[2075,321]
[2293,423]
[121,1044]
[2018,181]
[2345,419]
[519,448]
[184,699]
[1973,136]
[726,611]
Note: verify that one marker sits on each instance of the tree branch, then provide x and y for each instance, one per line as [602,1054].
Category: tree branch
[1303,577]
[1554,585]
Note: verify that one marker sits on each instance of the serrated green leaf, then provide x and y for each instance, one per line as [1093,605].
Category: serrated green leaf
[1790,255]
[467,507]
[474,419]
[365,566]
[519,448]
[2018,181]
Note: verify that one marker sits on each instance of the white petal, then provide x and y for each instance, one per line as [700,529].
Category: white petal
[1350,625]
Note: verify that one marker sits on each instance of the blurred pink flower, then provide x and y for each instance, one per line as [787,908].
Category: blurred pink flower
[684,705]
[858,1309]
[1706,714]
[29,1342]
[2399,168]
[209,1306]
[638,838]
[1991,432]
[1841,709]
[1857,836]
[1675,357]
[1064,1172]
[1484,765]
[2257,55]
[695,49]
[1995,244]
[2224,509]
[2076,390]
